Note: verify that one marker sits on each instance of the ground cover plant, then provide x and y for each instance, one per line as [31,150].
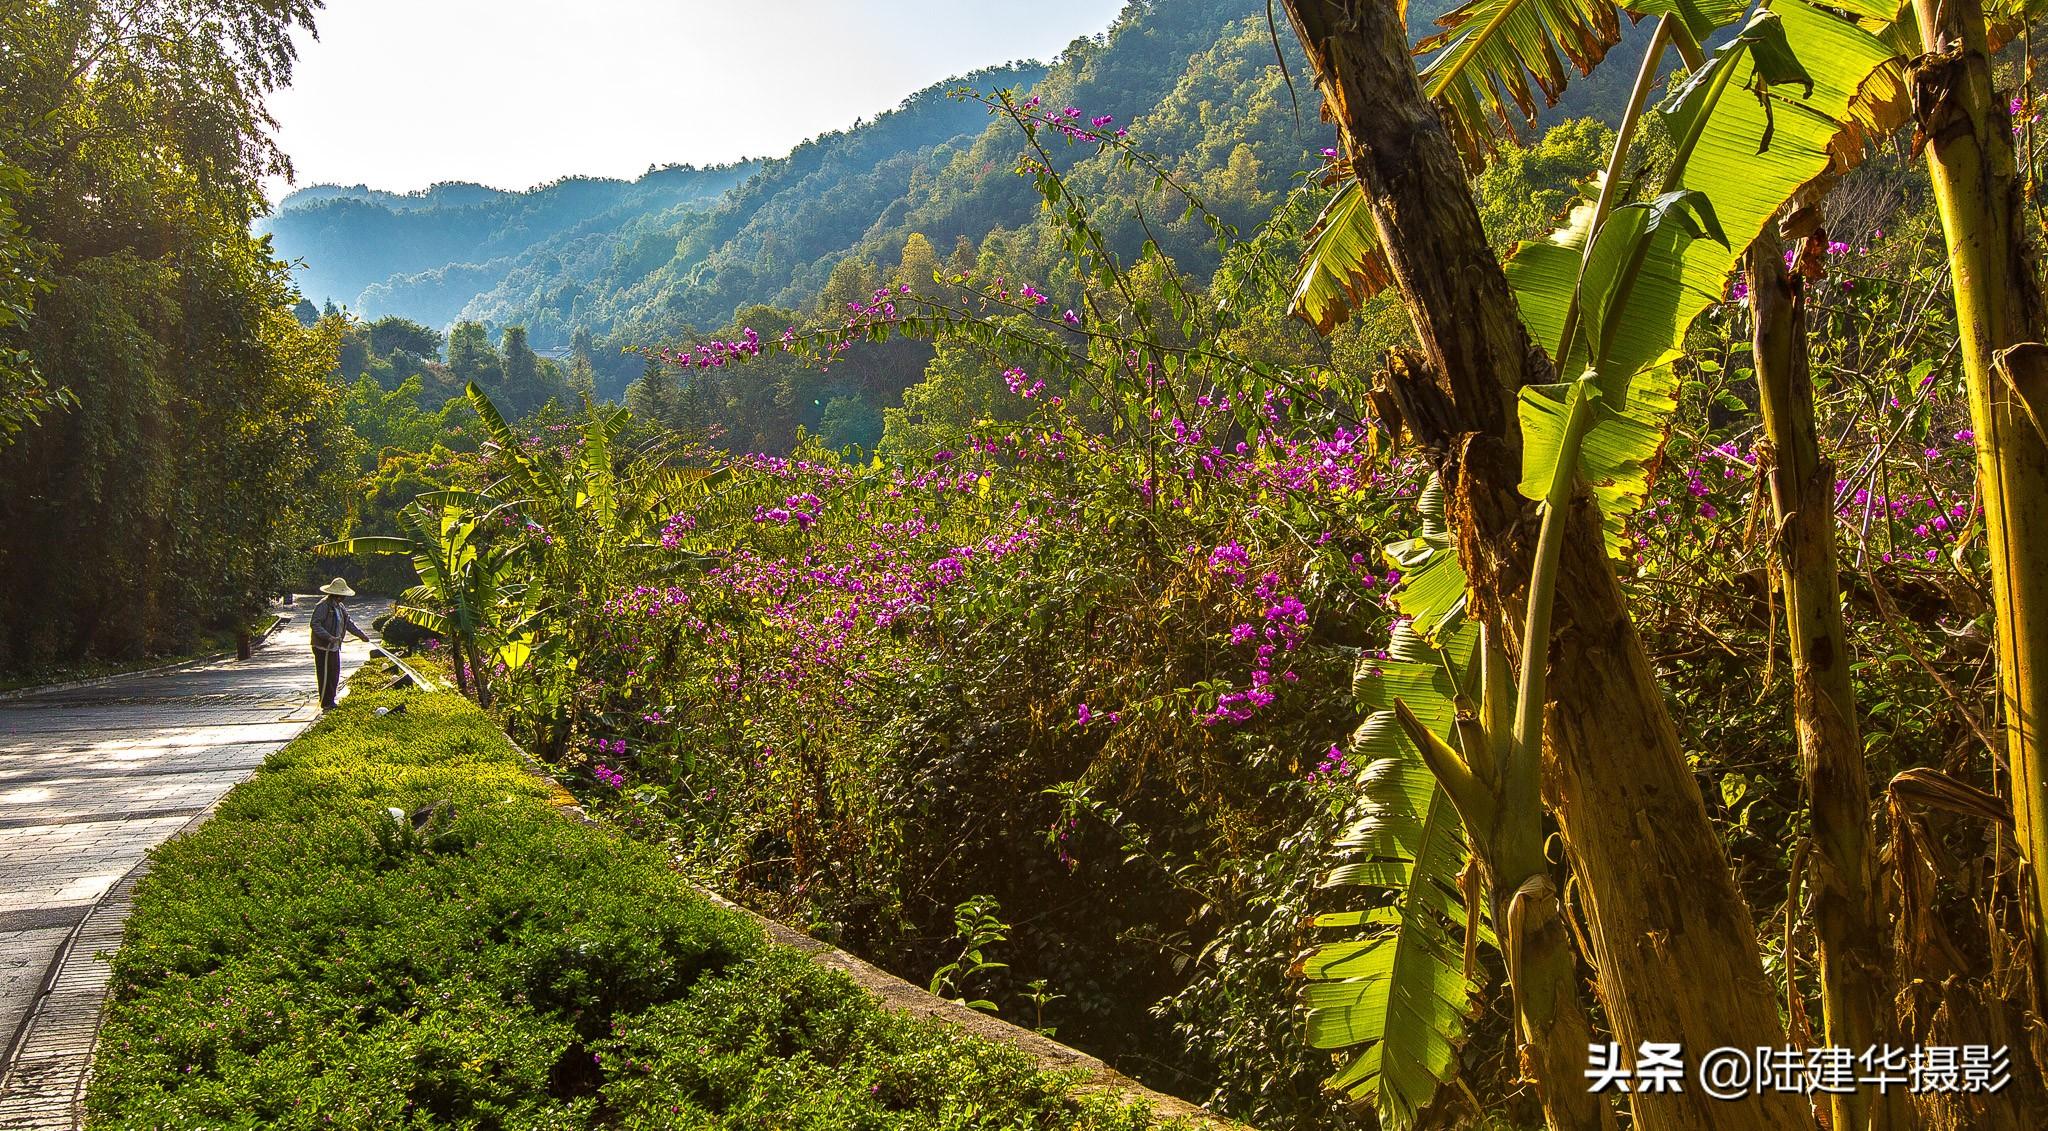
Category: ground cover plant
[316,955]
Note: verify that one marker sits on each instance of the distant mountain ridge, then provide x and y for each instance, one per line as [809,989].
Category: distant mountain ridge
[347,240]
[683,249]
[444,194]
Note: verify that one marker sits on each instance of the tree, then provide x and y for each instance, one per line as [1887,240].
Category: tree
[1236,191]
[2001,320]
[918,264]
[392,335]
[523,390]
[963,386]
[354,358]
[390,419]
[306,312]
[850,422]
[470,357]
[24,395]
[1856,983]
[653,396]
[203,445]
[1615,777]
[853,280]
[582,379]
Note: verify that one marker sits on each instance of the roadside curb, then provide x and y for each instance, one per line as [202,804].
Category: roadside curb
[46,1066]
[161,669]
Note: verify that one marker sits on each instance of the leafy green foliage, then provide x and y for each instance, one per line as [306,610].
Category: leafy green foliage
[1343,264]
[24,395]
[1396,992]
[1744,146]
[1721,126]
[1489,50]
[1520,193]
[199,447]
[305,960]
[1399,990]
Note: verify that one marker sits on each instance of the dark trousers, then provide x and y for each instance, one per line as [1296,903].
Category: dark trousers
[327,669]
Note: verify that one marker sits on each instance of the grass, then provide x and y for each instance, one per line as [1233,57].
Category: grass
[304,960]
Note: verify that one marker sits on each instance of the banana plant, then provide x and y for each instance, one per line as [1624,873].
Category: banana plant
[1396,991]
[592,527]
[1434,795]
[1492,777]
[468,593]
[2002,322]
[1611,296]
[1755,127]
[1490,50]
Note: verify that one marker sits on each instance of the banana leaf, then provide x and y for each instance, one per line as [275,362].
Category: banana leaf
[1482,65]
[1395,989]
[1343,264]
[1794,99]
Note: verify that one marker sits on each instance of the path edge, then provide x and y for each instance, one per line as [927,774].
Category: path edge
[91,980]
[105,922]
[256,641]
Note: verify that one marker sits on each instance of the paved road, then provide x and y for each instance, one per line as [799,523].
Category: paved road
[93,777]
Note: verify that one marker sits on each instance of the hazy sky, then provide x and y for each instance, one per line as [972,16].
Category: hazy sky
[400,94]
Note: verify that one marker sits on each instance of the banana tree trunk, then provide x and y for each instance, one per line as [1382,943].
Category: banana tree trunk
[1553,1032]
[461,663]
[1503,818]
[1671,934]
[1854,964]
[1999,317]
[479,682]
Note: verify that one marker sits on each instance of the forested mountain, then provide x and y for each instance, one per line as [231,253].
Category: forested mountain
[425,254]
[650,262]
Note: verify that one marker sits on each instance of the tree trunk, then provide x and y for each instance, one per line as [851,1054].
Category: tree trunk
[478,681]
[1553,1033]
[1999,317]
[1856,996]
[1672,936]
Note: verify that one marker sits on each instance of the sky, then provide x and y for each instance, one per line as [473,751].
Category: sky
[400,94]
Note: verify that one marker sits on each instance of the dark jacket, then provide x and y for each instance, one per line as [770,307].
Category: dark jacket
[330,621]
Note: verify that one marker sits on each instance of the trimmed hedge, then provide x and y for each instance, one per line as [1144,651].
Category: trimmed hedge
[303,959]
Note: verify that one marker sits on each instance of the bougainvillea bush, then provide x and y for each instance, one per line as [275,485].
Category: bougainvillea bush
[1053,701]
[1046,666]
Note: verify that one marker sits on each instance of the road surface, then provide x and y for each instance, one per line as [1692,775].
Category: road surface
[92,778]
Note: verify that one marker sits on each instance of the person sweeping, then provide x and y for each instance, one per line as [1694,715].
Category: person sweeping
[330,623]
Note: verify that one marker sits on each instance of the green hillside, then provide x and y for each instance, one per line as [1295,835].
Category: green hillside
[684,250]
[347,241]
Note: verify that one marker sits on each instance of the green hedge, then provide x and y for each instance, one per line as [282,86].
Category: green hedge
[304,960]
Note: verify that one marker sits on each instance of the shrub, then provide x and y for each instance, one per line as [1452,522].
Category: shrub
[389,927]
